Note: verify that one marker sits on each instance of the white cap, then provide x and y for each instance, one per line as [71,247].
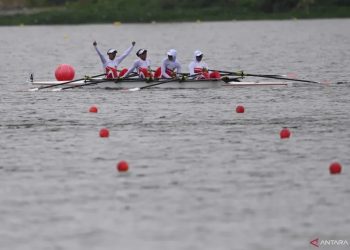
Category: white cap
[110,51]
[198,53]
[172,52]
[140,52]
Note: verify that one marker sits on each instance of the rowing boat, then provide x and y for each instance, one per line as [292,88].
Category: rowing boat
[137,83]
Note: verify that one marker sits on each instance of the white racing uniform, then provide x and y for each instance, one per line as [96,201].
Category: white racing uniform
[139,65]
[170,66]
[197,67]
[111,65]
[201,68]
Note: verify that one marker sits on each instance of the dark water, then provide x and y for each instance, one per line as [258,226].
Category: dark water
[201,176]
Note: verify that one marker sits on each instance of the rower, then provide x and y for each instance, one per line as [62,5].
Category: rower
[200,68]
[142,65]
[111,63]
[170,66]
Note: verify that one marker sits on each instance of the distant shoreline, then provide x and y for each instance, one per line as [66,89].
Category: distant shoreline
[25,11]
[88,15]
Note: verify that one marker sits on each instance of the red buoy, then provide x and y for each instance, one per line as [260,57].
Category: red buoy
[240,109]
[335,168]
[64,72]
[93,109]
[285,133]
[104,132]
[122,166]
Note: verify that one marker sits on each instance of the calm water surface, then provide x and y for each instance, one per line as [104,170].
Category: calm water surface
[201,176]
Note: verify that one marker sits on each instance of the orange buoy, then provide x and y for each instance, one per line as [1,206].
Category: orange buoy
[64,72]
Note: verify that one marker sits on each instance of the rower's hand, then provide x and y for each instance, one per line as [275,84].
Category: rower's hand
[182,78]
[225,78]
[94,43]
[240,73]
[133,43]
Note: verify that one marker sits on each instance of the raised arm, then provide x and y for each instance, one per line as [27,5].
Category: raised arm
[103,59]
[125,54]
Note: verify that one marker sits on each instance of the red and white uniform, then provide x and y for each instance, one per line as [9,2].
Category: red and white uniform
[168,67]
[196,67]
[142,68]
[110,66]
[201,68]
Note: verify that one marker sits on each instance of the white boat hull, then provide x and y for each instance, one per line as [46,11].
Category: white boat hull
[135,83]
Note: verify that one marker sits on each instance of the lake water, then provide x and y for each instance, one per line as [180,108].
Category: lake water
[201,176]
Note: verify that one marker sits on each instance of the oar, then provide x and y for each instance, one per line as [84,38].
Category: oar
[91,83]
[161,82]
[282,78]
[82,85]
[242,74]
[63,83]
[154,84]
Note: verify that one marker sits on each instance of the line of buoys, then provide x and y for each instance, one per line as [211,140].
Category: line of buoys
[285,133]
[122,166]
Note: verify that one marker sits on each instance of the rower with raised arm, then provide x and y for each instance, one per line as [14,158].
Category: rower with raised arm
[141,65]
[170,66]
[200,68]
[111,62]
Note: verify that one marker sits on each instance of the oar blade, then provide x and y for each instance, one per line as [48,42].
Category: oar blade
[226,79]
[85,78]
[57,89]
[134,89]
[33,89]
